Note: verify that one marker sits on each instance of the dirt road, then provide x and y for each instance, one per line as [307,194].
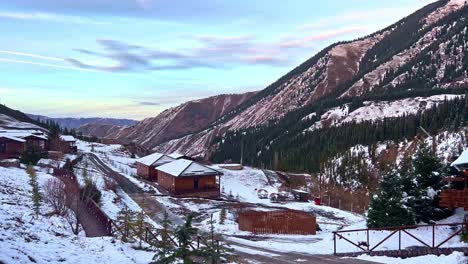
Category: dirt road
[242,252]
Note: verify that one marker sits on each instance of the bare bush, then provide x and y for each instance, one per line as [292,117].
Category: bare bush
[55,195]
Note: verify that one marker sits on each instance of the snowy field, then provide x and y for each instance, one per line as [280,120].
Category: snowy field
[27,238]
[243,185]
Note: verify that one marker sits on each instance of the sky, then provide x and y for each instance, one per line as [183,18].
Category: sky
[136,58]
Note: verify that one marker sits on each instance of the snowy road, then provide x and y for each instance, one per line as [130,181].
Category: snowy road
[153,208]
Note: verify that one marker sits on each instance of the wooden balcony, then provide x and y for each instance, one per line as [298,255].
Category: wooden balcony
[454,198]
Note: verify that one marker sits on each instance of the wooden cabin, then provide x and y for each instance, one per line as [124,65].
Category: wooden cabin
[457,195]
[146,166]
[187,178]
[11,147]
[37,141]
[68,144]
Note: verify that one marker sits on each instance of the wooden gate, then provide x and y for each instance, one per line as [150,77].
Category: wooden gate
[277,222]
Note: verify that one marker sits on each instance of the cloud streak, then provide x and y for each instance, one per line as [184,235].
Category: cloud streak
[214,52]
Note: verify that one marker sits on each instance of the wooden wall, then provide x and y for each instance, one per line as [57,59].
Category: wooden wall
[277,222]
[147,172]
[13,149]
[185,184]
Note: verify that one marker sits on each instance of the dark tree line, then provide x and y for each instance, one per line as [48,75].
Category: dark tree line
[286,145]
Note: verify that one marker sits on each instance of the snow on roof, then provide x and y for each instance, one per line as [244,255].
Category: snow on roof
[462,160]
[12,138]
[176,155]
[184,168]
[155,159]
[22,134]
[67,138]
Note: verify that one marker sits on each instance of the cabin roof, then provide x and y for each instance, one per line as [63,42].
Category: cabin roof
[187,168]
[462,160]
[67,138]
[21,134]
[155,159]
[176,155]
[13,138]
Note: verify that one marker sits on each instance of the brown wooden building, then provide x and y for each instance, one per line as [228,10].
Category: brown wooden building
[457,195]
[187,178]
[11,147]
[146,166]
[37,141]
[68,144]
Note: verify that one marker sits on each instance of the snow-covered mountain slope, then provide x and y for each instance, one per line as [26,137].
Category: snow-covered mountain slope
[7,122]
[179,121]
[377,110]
[423,51]
[27,238]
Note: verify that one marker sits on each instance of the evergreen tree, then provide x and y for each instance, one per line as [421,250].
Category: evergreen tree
[222,216]
[126,220]
[184,235]
[214,252]
[165,254]
[36,194]
[386,208]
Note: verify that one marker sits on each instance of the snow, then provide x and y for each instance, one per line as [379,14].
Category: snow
[454,258]
[12,138]
[155,159]
[47,239]
[462,160]
[67,138]
[378,110]
[183,167]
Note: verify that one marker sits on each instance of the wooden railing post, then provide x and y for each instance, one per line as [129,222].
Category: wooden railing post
[334,243]
[399,239]
[368,245]
[433,236]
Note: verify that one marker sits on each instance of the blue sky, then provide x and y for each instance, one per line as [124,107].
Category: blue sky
[135,58]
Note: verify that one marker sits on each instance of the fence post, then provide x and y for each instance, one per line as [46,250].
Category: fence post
[334,243]
[399,239]
[433,236]
[368,240]
[198,242]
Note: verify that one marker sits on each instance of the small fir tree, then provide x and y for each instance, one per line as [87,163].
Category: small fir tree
[126,220]
[165,254]
[222,216]
[386,208]
[36,194]
[184,235]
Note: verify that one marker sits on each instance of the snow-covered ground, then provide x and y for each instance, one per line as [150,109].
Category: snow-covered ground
[27,238]
[243,185]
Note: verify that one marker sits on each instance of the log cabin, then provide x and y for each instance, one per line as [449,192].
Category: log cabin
[68,144]
[187,178]
[11,147]
[457,195]
[146,166]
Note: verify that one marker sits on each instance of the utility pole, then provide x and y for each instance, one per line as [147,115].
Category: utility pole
[242,151]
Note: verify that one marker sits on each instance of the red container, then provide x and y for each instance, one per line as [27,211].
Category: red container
[318,201]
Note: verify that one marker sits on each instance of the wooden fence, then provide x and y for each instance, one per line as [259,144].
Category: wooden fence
[277,222]
[72,189]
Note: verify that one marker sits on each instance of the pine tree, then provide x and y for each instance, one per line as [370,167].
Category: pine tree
[386,208]
[214,252]
[36,194]
[184,235]
[222,216]
[140,226]
[126,221]
[165,254]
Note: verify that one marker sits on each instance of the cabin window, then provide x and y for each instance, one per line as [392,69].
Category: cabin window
[2,147]
[195,183]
